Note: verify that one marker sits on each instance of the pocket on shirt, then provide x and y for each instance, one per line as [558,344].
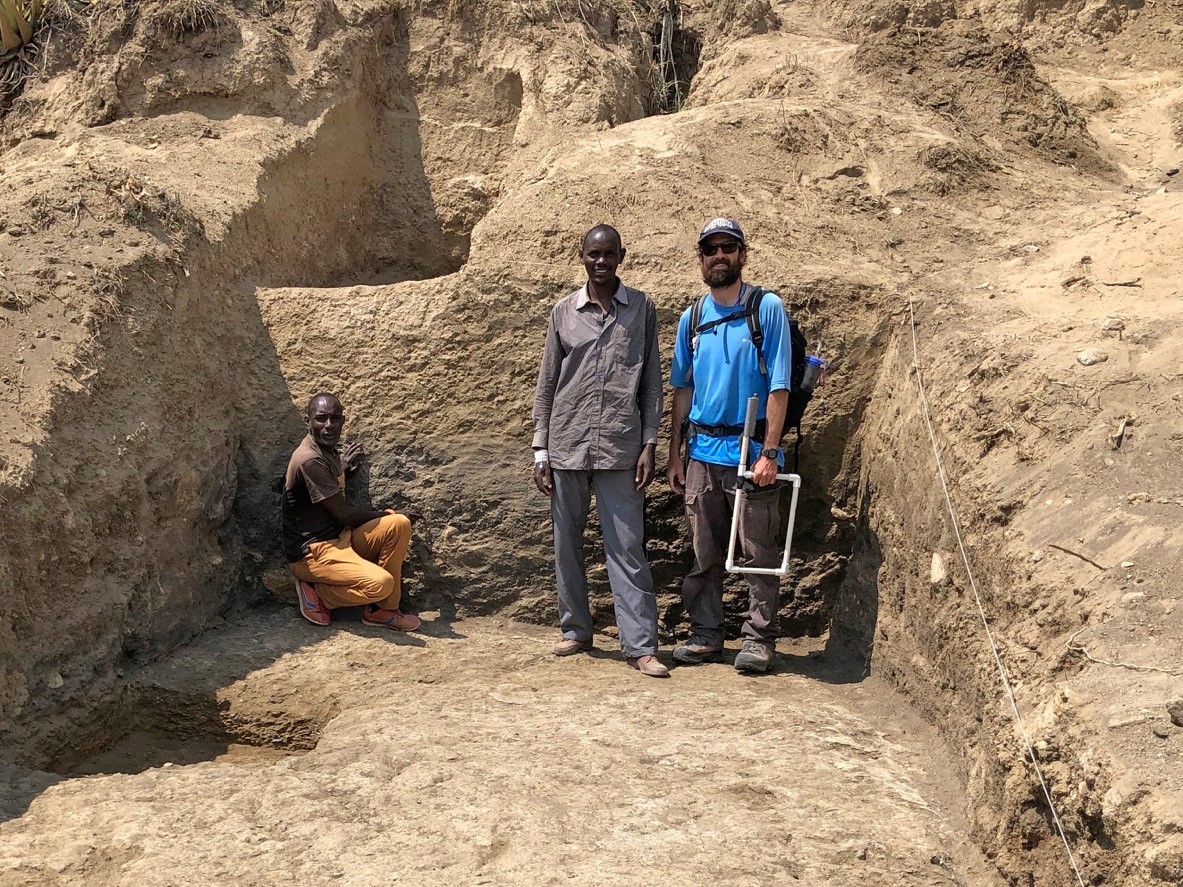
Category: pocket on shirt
[625,349]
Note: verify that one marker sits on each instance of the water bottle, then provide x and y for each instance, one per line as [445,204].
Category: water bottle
[814,368]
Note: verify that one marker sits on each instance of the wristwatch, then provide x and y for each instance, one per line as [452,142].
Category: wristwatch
[772,453]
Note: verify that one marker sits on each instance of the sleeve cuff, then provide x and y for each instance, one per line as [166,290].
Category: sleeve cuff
[540,440]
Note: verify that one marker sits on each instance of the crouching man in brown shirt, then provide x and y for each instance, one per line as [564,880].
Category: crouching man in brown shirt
[341,556]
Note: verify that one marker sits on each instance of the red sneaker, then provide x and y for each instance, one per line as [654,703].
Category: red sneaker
[311,607]
[396,619]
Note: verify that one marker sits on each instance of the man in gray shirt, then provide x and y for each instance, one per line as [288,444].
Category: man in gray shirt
[597,408]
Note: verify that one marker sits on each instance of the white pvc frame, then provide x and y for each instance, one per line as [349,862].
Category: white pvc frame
[741,496]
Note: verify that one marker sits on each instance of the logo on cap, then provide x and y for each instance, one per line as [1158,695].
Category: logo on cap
[722,226]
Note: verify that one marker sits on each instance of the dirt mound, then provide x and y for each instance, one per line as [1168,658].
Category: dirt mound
[983,87]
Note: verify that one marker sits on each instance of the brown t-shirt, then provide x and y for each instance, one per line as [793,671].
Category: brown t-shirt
[313,475]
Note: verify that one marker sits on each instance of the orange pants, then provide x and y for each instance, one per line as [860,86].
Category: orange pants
[361,566]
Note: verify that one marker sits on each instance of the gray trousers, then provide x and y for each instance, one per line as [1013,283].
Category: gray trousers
[622,517]
[710,498]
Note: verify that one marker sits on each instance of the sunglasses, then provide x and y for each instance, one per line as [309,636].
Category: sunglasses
[729,248]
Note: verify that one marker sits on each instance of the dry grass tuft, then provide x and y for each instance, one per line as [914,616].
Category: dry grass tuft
[954,168]
[181,18]
[108,286]
[143,206]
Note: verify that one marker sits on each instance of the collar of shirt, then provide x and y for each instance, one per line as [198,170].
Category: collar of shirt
[583,299]
[740,303]
[331,452]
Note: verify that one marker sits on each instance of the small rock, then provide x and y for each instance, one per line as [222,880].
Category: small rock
[938,573]
[1091,356]
[1127,564]
[55,681]
[279,582]
[1125,721]
[1175,710]
[1162,731]
[1133,597]
[1037,556]
[107,232]
[1173,171]
[1112,324]
[1031,248]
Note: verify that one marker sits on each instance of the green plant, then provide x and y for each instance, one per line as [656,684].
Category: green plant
[18,24]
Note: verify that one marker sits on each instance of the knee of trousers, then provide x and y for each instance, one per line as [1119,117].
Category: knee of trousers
[399,523]
[378,589]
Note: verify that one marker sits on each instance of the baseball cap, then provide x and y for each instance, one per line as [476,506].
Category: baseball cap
[722,226]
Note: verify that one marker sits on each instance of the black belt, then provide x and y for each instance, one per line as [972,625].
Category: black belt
[726,430]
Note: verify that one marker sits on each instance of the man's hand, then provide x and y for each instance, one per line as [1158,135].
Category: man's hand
[646,466]
[764,471]
[542,478]
[675,474]
[351,458]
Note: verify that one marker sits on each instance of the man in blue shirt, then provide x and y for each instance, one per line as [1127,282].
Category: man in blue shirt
[716,368]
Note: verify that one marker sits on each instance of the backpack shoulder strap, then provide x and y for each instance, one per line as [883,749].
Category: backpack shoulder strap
[692,331]
[695,319]
[755,331]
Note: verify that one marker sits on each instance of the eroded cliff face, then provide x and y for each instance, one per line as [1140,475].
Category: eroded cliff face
[210,217]
[165,172]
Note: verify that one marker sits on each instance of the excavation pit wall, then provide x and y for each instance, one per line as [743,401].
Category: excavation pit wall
[146,727]
[435,425]
[213,353]
[446,436]
[144,483]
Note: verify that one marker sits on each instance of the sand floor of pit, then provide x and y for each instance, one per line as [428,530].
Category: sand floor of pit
[468,754]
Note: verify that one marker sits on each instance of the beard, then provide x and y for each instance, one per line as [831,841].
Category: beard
[719,276]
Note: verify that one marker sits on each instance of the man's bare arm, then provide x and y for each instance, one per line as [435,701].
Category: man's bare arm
[778,405]
[765,470]
[347,515]
[675,474]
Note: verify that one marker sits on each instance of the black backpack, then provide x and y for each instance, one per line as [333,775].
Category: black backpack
[798,397]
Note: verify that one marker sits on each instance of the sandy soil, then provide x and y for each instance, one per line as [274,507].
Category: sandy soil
[469,754]
[204,221]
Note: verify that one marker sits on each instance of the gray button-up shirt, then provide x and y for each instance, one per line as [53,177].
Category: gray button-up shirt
[598,399]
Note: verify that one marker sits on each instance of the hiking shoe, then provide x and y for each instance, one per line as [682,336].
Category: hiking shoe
[696,651]
[570,646]
[754,657]
[649,665]
[395,619]
[311,606]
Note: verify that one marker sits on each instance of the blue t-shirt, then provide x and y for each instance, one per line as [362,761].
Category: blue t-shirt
[726,372]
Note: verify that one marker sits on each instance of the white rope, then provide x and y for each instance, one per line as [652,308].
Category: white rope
[978,600]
